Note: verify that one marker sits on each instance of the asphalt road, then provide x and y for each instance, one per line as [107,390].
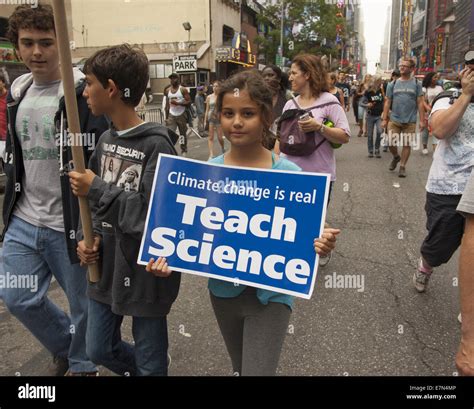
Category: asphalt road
[386,329]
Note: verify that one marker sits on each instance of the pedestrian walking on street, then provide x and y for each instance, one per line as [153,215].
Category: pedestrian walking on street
[334,90]
[278,84]
[40,213]
[363,104]
[375,103]
[213,121]
[358,107]
[431,89]
[308,78]
[394,77]
[178,99]
[200,103]
[345,88]
[404,99]
[253,322]
[119,214]
[453,124]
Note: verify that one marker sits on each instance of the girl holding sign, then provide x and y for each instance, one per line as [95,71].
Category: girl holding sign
[253,322]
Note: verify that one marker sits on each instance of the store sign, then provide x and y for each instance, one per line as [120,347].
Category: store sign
[223,53]
[184,63]
[235,55]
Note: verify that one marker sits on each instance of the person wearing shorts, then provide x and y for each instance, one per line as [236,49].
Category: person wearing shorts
[404,98]
[178,99]
[213,121]
[452,122]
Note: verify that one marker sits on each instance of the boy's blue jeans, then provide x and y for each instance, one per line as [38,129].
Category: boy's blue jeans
[41,253]
[373,122]
[149,355]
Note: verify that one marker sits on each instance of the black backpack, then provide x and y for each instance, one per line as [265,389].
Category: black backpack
[294,141]
[452,94]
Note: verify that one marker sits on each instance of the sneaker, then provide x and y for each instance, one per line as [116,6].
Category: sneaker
[371,155]
[394,162]
[402,173]
[425,151]
[58,367]
[421,277]
[324,260]
[69,373]
[460,318]
[377,154]
[385,148]
[184,154]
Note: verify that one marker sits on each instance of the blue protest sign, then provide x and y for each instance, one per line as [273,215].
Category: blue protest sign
[248,226]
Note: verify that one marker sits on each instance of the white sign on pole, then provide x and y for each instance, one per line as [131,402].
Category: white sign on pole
[184,63]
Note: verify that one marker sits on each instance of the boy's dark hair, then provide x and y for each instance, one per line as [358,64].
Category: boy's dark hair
[124,65]
[26,17]
[253,82]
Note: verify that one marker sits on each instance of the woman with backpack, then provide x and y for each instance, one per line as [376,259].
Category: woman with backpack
[314,123]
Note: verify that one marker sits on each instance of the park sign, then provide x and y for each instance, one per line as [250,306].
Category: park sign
[184,63]
[247,226]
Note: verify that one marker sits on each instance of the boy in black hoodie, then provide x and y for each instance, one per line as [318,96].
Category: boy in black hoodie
[118,185]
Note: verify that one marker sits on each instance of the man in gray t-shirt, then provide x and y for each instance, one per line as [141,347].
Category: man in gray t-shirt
[40,203]
[404,99]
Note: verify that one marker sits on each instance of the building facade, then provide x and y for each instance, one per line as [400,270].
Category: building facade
[435,33]
[201,40]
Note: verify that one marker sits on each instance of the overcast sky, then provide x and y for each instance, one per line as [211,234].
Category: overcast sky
[375,19]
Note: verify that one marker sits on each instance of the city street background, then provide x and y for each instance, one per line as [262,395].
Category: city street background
[388,329]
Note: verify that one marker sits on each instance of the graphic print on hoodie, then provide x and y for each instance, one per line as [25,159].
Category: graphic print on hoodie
[120,169]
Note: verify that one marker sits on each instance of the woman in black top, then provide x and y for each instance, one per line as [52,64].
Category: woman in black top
[278,83]
[375,102]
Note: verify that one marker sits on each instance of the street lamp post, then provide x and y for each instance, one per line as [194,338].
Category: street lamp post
[187,27]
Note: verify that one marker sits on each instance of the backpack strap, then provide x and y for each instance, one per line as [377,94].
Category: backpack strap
[320,143]
[452,95]
[322,105]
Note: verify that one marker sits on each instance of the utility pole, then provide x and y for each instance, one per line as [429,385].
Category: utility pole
[282,27]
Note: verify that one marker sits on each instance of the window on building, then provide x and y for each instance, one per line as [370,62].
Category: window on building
[203,78]
[227,35]
[188,80]
[160,70]
[152,71]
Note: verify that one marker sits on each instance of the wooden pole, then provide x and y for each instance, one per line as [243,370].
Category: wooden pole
[73,122]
